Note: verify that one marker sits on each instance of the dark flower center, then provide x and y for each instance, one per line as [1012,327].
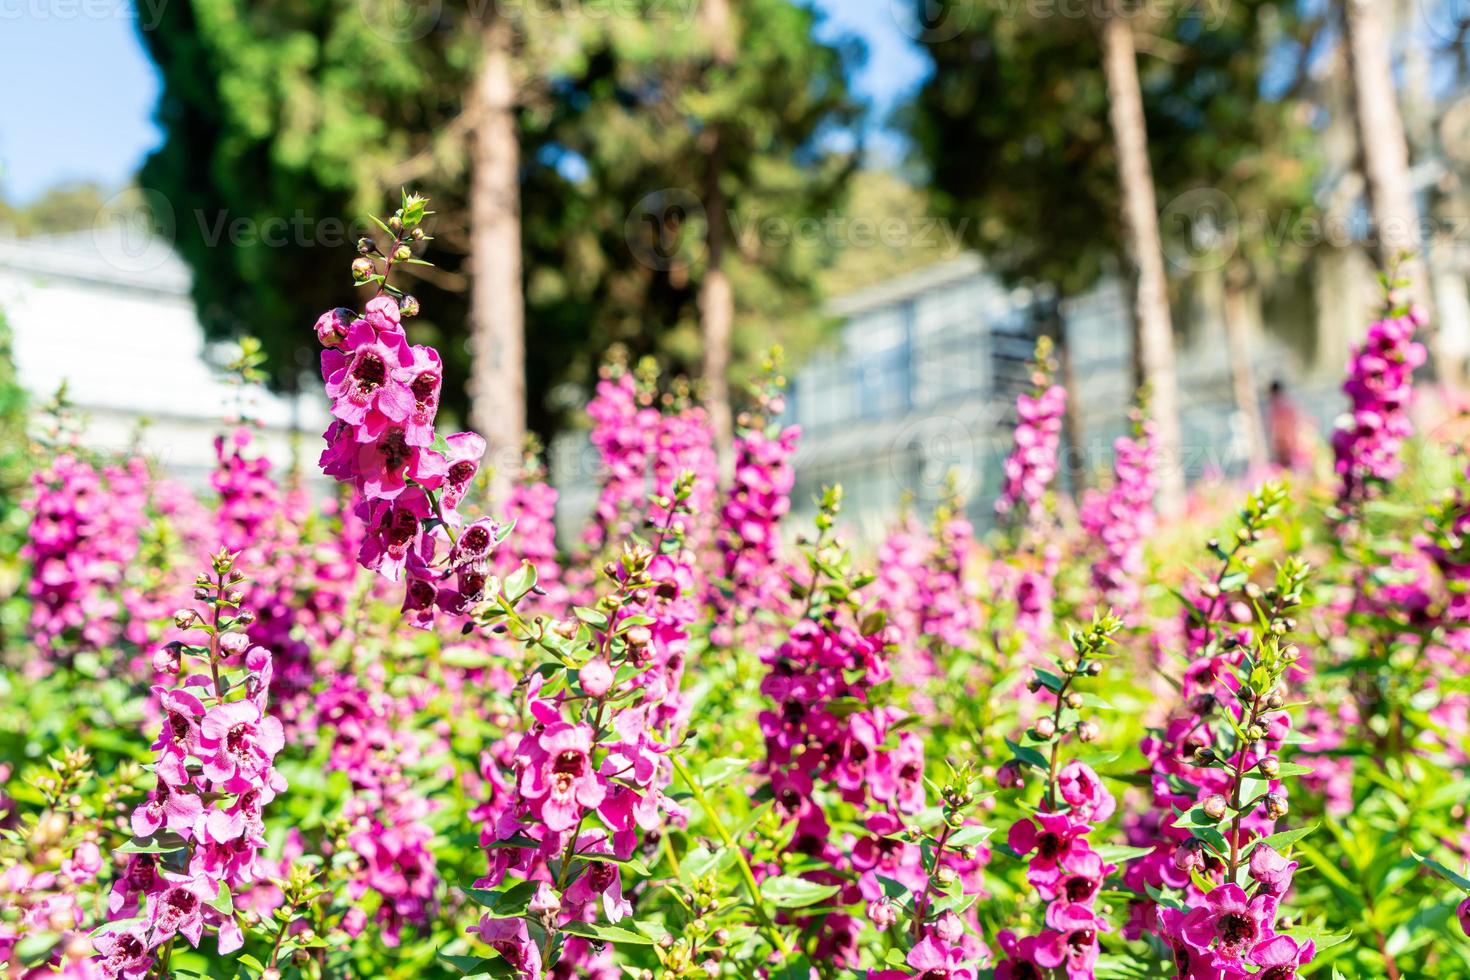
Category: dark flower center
[1080,889]
[476,539]
[237,742]
[461,472]
[424,387]
[1048,845]
[369,372]
[599,875]
[1236,929]
[570,763]
[181,901]
[1082,940]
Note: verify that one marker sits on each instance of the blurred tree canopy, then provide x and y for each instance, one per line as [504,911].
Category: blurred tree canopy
[288,121]
[1013,127]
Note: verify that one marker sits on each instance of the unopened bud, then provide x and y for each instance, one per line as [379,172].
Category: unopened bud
[1269,766]
[1215,806]
[1088,731]
[1010,776]
[185,619]
[1189,855]
[362,269]
[402,253]
[409,306]
[1074,699]
[1044,728]
[1276,806]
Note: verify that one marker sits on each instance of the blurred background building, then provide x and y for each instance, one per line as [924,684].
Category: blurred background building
[109,315]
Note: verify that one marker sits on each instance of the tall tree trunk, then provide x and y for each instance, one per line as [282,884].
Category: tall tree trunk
[1154,334]
[1384,150]
[716,295]
[497,310]
[1242,368]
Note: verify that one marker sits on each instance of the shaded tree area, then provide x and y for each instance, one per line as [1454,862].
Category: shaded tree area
[317,111]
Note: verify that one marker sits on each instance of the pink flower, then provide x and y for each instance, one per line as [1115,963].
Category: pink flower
[124,954]
[1228,923]
[1054,838]
[510,938]
[1084,792]
[179,908]
[239,743]
[562,779]
[176,810]
[1281,956]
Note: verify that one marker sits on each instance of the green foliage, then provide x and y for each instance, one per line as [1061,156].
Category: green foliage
[285,121]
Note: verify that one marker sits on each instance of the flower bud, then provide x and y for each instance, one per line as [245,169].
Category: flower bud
[1269,767]
[1088,731]
[233,644]
[1215,806]
[1074,699]
[402,253]
[596,676]
[1204,756]
[409,306]
[1276,805]
[1010,775]
[1189,855]
[362,269]
[1044,729]
[185,619]
[881,913]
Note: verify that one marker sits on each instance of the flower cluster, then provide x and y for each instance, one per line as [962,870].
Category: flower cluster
[832,745]
[624,427]
[385,396]
[198,835]
[1063,867]
[1032,463]
[758,498]
[386,817]
[84,533]
[1217,765]
[1367,440]
[1122,519]
[588,777]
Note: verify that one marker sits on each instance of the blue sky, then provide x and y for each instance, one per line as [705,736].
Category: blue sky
[81,90]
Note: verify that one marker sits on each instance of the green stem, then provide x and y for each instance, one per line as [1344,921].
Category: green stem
[746,873]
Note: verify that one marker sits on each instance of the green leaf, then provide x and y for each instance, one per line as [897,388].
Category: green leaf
[970,836]
[1120,853]
[36,947]
[165,843]
[1281,841]
[1454,878]
[480,966]
[520,581]
[223,902]
[790,892]
[716,771]
[606,933]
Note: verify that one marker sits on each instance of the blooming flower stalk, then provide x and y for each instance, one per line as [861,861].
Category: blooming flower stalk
[198,836]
